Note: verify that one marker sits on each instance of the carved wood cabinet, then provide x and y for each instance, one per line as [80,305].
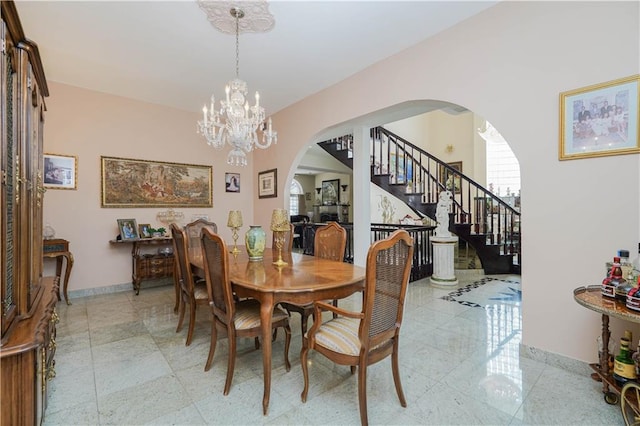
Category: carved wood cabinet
[27,342]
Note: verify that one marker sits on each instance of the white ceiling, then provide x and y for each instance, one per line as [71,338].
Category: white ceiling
[167,53]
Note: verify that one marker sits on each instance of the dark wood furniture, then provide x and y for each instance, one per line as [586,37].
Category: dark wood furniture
[236,318]
[147,266]
[330,242]
[303,280]
[191,292]
[59,250]
[359,339]
[591,298]
[28,326]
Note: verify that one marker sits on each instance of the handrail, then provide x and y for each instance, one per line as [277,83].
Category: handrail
[419,177]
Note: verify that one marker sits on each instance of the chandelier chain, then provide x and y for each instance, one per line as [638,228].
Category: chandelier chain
[237,45]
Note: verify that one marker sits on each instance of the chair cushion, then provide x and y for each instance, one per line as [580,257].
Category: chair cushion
[248,314]
[200,291]
[340,335]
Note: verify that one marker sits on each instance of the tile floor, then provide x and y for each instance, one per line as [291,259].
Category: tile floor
[119,361]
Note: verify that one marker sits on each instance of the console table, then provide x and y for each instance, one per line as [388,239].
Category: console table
[148,265]
[59,249]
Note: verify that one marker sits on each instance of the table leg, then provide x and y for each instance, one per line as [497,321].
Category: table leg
[604,358]
[67,273]
[59,260]
[266,313]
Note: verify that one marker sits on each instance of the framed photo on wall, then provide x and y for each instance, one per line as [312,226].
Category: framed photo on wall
[600,120]
[232,182]
[268,184]
[450,179]
[60,171]
[331,192]
[128,229]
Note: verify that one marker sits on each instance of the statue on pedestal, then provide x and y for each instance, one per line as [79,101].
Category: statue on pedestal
[445,199]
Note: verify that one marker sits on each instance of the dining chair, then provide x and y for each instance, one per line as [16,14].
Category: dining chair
[192,293]
[330,243]
[359,339]
[193,231]
[237,318]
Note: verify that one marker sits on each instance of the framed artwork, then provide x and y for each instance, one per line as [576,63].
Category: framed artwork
[144,230]
[398,164]
[60,171]
[330,192]
[142,183]
[600,120]
[128,229]
[268,184]
[232,182]
[450,179]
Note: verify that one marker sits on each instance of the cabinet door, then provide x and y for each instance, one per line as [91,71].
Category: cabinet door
[8,204]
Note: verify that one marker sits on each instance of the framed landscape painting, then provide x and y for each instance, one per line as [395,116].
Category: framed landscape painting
[600,120]
[142,183]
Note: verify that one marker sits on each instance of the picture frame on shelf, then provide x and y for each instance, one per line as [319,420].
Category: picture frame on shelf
[600,120]
[144,230]
[128,229]
[232,182]
[268,184]
[60,171]
[331,192]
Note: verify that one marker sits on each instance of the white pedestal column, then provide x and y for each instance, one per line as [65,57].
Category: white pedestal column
[443,254]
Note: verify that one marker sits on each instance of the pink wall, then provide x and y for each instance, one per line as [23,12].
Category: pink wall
[91,124]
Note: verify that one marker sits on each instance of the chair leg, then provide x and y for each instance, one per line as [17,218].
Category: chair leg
[362,392]
[192,322]
[287,342]
[305,371]
[396,373]
[180,315]
[257,342]
[335,303]
[231,362]
[212,345]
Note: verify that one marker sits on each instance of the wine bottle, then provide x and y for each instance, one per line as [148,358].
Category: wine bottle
[624,368]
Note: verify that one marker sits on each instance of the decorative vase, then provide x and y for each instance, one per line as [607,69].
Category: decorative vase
[255,240]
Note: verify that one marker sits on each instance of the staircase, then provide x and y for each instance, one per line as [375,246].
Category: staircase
[479,217]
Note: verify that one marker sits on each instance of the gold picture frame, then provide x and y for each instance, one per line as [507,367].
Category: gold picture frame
[451,180]
[60,171]
[142,183]
[144,230]
[600,120]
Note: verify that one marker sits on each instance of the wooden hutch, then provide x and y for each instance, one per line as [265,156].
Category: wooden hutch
[27,343]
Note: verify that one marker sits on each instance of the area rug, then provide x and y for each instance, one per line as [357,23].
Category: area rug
[487,292]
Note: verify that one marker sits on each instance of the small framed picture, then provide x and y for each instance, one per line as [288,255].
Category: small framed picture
[600,120]
[144,230]
[451,180]
[268,184]
[60,171]
[232,182]
[128,229]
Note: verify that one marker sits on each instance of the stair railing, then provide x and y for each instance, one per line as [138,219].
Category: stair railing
[421,177]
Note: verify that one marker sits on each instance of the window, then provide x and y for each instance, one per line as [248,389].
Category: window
[295,193]
[503,169]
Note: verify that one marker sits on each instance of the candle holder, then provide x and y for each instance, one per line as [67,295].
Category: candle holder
[279,225]
[235,222]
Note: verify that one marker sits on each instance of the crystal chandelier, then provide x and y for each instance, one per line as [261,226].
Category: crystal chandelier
[236,123]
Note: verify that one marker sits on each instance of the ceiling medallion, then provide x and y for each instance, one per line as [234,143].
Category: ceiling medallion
[256,19]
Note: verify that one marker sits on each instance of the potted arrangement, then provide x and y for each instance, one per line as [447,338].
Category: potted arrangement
[157,232]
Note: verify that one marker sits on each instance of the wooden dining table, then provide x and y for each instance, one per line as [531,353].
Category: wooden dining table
[303,280]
